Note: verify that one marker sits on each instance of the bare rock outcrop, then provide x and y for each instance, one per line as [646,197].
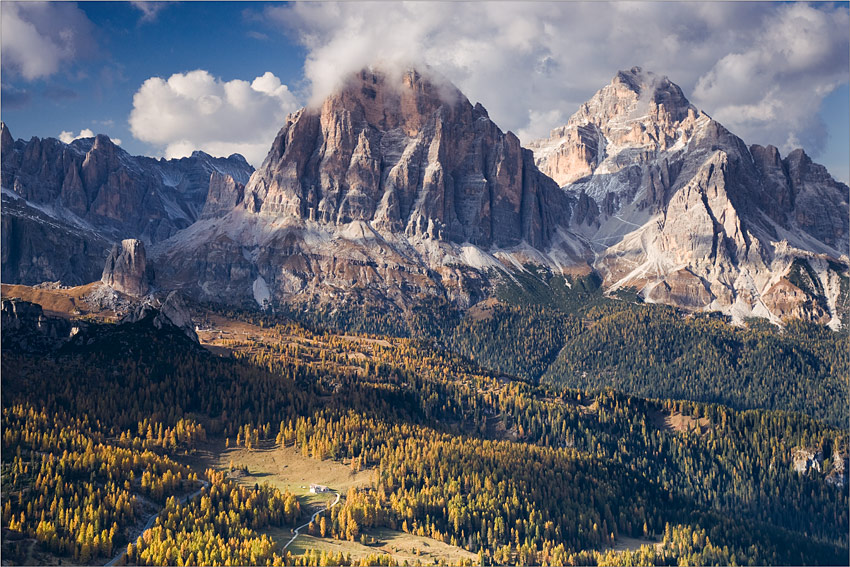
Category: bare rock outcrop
[170,310]
[224,194]
[415,157]
[25,327]
[63,203]
[126,268]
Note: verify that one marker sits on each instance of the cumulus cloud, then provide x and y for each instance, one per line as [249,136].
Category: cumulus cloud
[39,37]
[196,111]
[533,64]
[800,56]
[68,137]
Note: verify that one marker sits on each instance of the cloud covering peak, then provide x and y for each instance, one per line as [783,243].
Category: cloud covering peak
[761,69]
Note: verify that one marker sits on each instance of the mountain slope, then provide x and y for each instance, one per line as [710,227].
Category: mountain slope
[395,186]
[64,204]
[683,211]
[397,191]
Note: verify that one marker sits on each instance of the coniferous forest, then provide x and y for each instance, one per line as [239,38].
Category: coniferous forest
[493,435]
[424,283]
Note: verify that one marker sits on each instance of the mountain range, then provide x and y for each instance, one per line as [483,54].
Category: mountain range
[397,188]
[64,205]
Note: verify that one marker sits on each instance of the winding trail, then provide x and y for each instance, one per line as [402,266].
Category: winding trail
[312,519]
[152,519]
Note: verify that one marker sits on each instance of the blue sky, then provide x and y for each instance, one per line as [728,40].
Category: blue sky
[95,91]
[167,78]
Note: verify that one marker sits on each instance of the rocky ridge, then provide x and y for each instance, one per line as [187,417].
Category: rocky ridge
[163,310]
[397,188]
[65,204]
[680,209]
[26,327]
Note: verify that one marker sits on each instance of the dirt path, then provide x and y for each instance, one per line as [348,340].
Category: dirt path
[312,519]
[152,519]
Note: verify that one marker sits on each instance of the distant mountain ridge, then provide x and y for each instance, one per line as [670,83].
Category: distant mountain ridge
[64,205]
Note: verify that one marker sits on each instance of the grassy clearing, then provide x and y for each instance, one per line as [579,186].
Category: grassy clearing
[67,303]
[676,421]
[402,546]
[282,467]
[287,469]
[625,543]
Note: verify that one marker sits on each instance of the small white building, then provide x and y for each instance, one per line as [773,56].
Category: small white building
[318,488]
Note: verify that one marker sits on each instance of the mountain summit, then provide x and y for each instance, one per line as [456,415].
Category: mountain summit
[395,185]
[685,213]
[638,111]
[414,157]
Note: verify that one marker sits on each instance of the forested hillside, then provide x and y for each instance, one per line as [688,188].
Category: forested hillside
[566,333]
[575,337]
[512,471]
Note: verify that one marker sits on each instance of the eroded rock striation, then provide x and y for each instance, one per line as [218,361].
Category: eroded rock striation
[398,188]
[396,185]
[63,204]
[687,214]
[126,268]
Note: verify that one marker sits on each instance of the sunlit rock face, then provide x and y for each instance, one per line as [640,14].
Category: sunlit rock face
[396,185]
[689,215]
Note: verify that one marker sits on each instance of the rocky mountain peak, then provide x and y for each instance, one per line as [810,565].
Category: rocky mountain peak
[689,215]
[408,153]
[6,140]
[766,155]
[637,109]
[395,185]
[645,84]
[635,96]
[389,100]
[238,158]
[648,85]
[799,163]
[66,203]
[103,142]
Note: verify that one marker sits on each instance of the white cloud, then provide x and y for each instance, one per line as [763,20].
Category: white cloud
[260,36]
[797,56]
[196,111]
[149,10]
[40,37]
[68,137]
[533,64]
